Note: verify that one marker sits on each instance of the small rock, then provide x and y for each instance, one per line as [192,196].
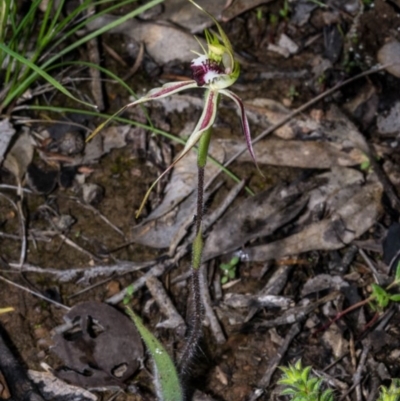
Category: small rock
[390,54]
[63,222]
[71,143]
[113,287]
[92,193]
[277,49]
[390,124]
[286,43]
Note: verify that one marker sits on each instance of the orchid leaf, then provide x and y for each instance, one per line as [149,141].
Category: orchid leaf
[166,377]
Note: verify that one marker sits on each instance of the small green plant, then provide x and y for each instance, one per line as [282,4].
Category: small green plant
[321,80]
[259,13]
[229,269]
[365,165]
[301,386]
[273,20]
[292,92]
[282,14]
[285,10]
[392,393]
[379,299]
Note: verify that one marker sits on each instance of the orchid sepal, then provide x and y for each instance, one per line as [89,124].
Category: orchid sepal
[244,121]
[167,89]
[205,122]
[216,49]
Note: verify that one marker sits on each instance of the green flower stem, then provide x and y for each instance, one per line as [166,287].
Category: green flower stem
[202,156]
[204,144]
[197,250]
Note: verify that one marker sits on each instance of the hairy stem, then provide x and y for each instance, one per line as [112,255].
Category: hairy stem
[195,329]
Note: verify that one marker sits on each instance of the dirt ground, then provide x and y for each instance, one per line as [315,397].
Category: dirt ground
[283,300]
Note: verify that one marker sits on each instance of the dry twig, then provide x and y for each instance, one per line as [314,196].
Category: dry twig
[174,319]
[208,309]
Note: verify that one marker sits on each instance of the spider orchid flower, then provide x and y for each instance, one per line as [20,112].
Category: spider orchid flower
[214,71]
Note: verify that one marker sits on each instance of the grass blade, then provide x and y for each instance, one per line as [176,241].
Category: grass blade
[39,71]
[25,84]
[111,75]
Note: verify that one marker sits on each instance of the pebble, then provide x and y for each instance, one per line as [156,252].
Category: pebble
[390,54]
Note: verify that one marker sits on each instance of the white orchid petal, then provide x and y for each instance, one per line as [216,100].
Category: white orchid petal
[205,122]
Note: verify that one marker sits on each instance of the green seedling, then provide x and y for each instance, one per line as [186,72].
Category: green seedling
[379,299]
[283,14]
[273,20]
[392,393]
[365,166]
[321,80]
[285,10]
[259,13]
[229,269]
[300,385]
[292,93]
